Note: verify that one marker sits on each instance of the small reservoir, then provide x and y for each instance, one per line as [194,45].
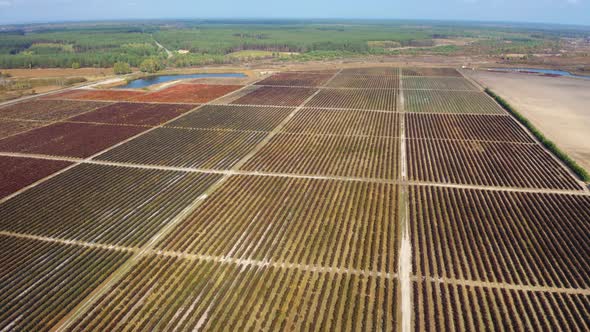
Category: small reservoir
[153,80]
[541,71]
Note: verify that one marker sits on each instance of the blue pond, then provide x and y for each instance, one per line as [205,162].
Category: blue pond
[152,80]
[542,71]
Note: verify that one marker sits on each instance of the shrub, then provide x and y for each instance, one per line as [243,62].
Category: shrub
[121,68]
[75,65]
[150,66]
[550,145]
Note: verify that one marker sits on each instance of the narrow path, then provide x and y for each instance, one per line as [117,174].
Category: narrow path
[405,252]
[160,46]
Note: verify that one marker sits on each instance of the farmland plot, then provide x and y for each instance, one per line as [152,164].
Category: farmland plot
[450,307]
[502,237]
[135,114]
[365,82]
[296,79]
[210,296]
[450,102]
[384,100]
[105,204]
[344,122]
[349,224]
[99,95]
[448,72]
[364,157]
[466,127]
[179,147]
[277,96]
[438,83]
[13,127]
[188,93]
[372,71]
[232,117]
[41,282]
[68,139]
[486,163]
[48,110]
[17,173]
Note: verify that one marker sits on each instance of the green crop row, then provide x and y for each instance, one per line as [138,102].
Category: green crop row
[550,145]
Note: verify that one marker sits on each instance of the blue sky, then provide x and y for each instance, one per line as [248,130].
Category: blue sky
[550,11]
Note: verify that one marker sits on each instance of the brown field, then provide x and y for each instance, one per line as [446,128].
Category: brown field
[344,122]
[438,83]
[262,210]
[451,307]
[277,96]
[127,205]
[213,297]
[365,82]
[99,95]
[486,164]
[68,139]
[463,102]
[499,128]
[17,173]
[194,148]
[444,72]
[134,114]
[59,72]
[188,93]
[296,79]
[373,71]
[492,236]
[558,107]
[10,127]
[362,157]
[255,118]
[383,100]
[48,110]
[37,301]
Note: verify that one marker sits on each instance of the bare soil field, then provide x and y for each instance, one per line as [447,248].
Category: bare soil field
[558,106]
[59,72]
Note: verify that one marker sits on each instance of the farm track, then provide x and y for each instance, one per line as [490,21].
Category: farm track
[264,240]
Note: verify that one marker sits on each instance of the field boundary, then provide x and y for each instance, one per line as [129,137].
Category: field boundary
[571,164]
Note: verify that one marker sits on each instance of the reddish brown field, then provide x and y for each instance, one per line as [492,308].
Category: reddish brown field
[17,173]
[278,96]
[49,110]
[12,127]
[68,139]
[101,95]
[379,71]
[296,79]
[486,163]
[466,127]
[188,93]
[365,82]
[135,113]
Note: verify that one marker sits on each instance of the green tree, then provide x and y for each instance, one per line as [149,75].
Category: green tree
[150,66]
[75,65]
[121,68]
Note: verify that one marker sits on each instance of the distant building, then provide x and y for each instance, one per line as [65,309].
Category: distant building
[183,51]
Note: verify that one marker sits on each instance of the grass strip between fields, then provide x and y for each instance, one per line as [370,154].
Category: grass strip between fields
[550,145]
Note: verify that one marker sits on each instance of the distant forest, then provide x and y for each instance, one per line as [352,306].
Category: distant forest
[101,44]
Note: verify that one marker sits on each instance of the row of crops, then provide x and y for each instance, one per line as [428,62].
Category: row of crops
[165,293]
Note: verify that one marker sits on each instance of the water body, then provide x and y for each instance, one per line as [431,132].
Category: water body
[542,71]
[152,80]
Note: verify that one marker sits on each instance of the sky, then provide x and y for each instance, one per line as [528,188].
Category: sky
[546,11]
